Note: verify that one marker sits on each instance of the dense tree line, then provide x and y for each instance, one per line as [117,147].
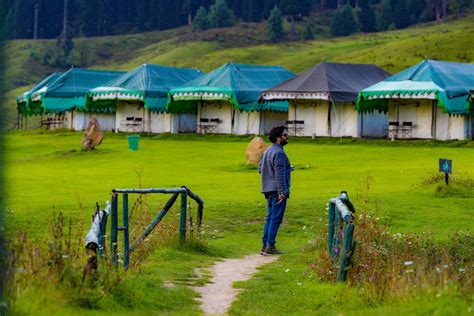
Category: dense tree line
[45,18]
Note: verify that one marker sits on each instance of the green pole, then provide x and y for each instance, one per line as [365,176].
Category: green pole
[126,252]
[114,230]
[182,219]
[346,253]
[331,217]
[156,220]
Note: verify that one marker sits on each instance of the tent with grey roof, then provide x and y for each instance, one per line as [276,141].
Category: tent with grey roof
[322,100]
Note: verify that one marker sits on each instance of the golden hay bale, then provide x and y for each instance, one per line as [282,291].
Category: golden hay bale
[255,149]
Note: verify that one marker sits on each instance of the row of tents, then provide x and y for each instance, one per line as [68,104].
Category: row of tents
[430,100]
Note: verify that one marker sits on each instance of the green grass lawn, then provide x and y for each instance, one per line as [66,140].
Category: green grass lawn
[48,172]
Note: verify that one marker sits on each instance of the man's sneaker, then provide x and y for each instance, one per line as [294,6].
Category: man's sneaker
[271,250]
[262,250]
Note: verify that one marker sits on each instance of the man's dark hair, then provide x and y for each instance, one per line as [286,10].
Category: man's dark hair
[277,131]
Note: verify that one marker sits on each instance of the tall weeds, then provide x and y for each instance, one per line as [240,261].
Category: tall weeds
[392,266]
[56,261]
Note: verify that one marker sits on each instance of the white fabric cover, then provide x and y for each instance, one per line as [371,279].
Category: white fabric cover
[420,112]
[220,110]
[243,125]
[124,110]
[314,115]
[158,122]
[78,120]
[344,120]
[271,119]
[450,127]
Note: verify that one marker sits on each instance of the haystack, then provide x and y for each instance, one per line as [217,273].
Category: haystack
[255,149]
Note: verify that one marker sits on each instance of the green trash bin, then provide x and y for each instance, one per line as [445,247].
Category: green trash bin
[133,142]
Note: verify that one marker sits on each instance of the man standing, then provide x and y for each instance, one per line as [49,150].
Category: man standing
[274,168]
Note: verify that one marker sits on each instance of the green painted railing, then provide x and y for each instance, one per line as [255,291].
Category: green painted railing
[127,249]
[341,233]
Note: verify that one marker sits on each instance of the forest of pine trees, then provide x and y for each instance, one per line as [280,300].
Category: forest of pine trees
[45,18]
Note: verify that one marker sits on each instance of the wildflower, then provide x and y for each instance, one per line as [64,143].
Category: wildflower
[408,263]
[446,266]
[462,270]
[397,235]
[438,270]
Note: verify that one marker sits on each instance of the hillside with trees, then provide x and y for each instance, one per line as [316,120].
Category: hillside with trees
[85,18]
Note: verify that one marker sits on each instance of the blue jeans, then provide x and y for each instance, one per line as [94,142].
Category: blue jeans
[275,212]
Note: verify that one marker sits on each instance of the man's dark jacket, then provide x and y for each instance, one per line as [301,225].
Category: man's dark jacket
[275,168]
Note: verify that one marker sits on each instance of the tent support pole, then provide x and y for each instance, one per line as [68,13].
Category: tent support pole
[398,110]
[198,117]
[232,111]
[329,118]
[294,124]
[433,120]
[143,119]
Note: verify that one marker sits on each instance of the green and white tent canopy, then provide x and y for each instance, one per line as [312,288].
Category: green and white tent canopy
[24,103]
[68,91]
[147,83]
[237,84]
[447,82]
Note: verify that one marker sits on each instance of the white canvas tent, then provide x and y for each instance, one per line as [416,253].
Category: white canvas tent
[322,101]
[139,97]
[427,120]
[238,122]
[323,119]
[78,120]
[429,100]
[226,99]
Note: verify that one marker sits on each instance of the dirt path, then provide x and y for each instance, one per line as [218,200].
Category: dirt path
[218,295]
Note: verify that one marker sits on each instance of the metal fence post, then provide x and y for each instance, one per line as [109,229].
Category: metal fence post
[126,252]
[182,218]
[113,230]
[346,253]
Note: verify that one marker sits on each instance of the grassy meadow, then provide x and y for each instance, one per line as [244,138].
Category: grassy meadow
[394,182]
